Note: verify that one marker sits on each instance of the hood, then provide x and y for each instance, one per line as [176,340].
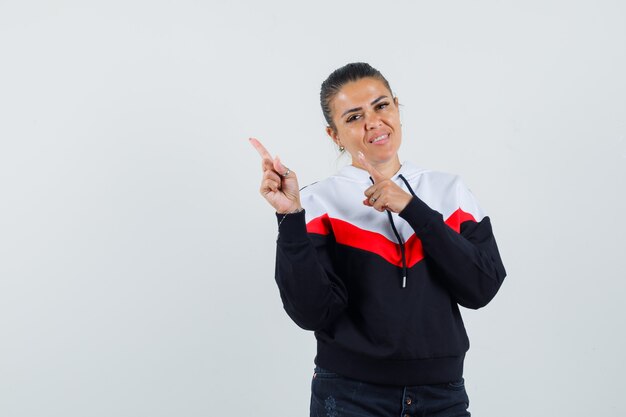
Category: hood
[407,169]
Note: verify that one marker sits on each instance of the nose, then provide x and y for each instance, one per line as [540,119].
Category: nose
[372,121]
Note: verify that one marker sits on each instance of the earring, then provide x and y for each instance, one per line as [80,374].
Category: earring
[341,148]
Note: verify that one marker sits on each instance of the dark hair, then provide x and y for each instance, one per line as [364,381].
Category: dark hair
[341,76]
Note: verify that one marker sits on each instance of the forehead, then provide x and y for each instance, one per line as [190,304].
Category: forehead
[359,93]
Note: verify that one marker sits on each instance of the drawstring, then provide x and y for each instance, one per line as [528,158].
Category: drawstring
[395,231]
[407,185]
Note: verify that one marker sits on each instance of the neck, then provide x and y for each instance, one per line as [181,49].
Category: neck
[387,168]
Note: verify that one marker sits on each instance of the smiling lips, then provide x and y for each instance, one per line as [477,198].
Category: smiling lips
[379,138]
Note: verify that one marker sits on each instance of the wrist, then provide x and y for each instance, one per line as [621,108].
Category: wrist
[295,224]
[405,202]
[298,209]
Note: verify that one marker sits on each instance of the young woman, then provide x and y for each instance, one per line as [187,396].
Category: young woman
[376,260]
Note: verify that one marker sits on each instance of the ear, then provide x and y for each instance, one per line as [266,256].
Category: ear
[395,100]
[333,135]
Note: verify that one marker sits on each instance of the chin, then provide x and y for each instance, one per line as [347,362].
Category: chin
[384,155]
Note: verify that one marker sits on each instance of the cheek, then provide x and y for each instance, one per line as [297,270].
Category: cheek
[350,134]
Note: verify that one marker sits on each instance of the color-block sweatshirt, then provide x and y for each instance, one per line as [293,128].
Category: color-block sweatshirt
[382,290]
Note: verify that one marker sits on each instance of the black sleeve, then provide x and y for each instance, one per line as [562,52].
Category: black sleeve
[468,262]
[312,294]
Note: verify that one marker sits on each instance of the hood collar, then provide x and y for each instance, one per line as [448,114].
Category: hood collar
[407,169]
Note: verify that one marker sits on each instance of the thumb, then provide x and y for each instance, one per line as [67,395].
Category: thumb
[278,166]
[374,173]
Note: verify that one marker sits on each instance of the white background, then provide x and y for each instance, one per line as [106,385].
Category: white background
[137,257]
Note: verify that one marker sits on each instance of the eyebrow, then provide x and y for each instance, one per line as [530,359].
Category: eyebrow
[361,108]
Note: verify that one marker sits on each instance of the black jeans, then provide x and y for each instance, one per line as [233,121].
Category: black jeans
[333,395]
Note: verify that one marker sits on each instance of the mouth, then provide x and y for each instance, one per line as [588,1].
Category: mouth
[379,138]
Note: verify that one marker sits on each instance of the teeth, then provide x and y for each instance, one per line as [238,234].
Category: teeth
[381,137]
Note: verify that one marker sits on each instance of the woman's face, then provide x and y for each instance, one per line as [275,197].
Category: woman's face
[367,119]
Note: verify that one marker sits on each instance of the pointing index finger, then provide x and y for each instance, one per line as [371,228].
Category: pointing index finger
[374,173]
[260,149]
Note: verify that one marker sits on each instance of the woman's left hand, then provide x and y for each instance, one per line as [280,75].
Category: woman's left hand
[384,194]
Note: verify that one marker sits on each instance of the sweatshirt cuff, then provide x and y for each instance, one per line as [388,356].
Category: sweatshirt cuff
[418,214]
[291,227]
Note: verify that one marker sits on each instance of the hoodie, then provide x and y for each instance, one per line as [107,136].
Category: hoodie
[382,291]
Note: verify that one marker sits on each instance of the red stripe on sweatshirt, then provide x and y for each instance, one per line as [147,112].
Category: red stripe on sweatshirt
[457,218]
[347,234]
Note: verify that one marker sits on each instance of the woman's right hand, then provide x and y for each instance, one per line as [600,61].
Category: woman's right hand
[279,185]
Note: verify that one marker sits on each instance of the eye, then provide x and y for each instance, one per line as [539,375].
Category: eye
[353,118]
[382,105]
